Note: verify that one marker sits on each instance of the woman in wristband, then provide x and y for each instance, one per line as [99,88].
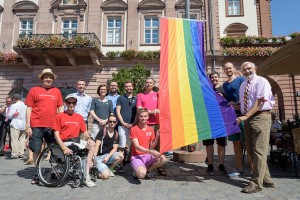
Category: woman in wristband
[67,127]
[144,158]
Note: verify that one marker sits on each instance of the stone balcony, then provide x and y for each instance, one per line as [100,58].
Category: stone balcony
[59,49]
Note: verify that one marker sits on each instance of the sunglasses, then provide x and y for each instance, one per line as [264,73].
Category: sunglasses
[112,122]
[71,102]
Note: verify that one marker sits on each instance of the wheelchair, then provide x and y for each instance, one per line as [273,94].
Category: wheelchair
[54,168]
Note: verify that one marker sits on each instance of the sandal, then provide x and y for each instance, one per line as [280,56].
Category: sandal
[35,180]
[161,171]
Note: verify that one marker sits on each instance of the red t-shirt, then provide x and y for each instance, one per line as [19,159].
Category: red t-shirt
[44,104]
[144,138]
[150,102]
[69,126]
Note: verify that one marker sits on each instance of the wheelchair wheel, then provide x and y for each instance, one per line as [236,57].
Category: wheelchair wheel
[76,171]
[52,172]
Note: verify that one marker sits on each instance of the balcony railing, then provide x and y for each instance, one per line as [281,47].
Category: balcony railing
[45,41]
[59,49]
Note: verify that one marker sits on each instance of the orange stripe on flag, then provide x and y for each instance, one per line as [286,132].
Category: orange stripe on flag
[175,100]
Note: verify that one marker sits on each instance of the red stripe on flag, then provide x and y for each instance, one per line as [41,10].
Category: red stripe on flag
[164,101]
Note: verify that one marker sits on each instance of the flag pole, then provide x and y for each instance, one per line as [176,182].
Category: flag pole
[187,9]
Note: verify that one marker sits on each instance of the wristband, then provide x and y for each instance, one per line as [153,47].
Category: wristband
[27,127]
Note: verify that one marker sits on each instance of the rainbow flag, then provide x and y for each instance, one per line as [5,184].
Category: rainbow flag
[190,110]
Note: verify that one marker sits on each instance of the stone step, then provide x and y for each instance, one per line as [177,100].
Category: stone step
[189,157]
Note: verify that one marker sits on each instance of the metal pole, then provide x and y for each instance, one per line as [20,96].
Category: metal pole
[187,9]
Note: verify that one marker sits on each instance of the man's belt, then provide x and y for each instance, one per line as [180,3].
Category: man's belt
[263,112]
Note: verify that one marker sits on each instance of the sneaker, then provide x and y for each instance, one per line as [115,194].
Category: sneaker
[222,169]
[120,169]
[112,172]
[236,173]
[169,154]
[210,169]
[149,175]
[88,182]
[134,176]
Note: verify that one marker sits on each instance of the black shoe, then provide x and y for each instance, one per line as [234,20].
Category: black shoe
[149,175]
[134,176]
[222,169]
[1,154]
[210,169]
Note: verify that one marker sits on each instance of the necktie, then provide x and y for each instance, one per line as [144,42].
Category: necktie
[246,99]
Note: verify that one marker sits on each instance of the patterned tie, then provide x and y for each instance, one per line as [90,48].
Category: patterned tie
[246,99]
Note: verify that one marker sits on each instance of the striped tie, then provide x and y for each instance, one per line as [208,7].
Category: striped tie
[246,99]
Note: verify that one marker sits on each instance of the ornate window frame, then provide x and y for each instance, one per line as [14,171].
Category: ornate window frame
[25,10]
[77,9]
[196,9]
[236,29]
[113,8]
[149,8]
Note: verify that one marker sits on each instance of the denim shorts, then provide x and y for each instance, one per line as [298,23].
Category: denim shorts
[103,166]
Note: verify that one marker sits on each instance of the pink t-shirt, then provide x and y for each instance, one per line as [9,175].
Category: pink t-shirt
[150,102]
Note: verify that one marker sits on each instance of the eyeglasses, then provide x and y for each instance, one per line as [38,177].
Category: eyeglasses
[112,122]
[71,102]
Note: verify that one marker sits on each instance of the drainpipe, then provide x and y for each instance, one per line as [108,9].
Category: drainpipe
[211,30]
[187,9]
[87,17]
[295,97]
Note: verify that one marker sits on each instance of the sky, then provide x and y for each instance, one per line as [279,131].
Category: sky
[285,17]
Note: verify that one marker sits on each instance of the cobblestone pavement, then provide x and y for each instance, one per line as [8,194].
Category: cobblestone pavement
[184,181]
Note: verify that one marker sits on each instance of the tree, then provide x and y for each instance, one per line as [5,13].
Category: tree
[137,74]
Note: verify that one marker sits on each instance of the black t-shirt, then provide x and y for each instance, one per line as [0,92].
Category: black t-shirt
[108,142]
[128,108]
[220,90]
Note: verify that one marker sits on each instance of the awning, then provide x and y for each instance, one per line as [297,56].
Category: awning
[285,61]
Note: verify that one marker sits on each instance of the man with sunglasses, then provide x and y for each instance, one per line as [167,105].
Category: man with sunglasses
[126,110]
[67,128]
[107,142]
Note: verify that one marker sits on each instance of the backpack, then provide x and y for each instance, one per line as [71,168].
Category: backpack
[104,134]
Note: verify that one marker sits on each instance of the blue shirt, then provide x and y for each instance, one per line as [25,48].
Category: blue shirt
[114,101]
[83,105]
[232,89]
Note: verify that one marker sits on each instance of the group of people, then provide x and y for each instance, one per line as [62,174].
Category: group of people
[252,99]
[127,122]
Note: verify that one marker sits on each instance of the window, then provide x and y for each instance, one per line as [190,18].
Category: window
[151,30]
[69,26]
[114,30]
[26,26]
[234,7]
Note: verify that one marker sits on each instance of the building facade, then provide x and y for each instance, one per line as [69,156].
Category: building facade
[118,25]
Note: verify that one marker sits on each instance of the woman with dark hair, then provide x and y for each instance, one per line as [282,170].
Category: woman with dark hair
[101,108]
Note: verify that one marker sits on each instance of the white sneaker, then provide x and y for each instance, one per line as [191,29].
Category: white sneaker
[88,182]
[111,173]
